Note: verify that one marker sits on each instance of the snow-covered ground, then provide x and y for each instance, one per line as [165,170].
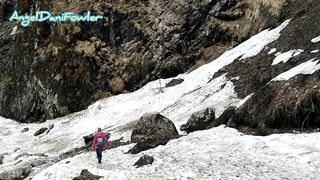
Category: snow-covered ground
[219,153]
[212,154]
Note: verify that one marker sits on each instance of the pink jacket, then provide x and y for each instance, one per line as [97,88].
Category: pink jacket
[98,135]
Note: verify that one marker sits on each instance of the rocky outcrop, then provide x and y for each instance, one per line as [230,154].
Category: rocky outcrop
[86,175]
[50,70]
[144,160]
[199,120]
[151,131]
[280,106]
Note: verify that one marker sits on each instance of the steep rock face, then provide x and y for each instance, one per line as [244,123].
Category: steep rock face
[49,70]
[292,103]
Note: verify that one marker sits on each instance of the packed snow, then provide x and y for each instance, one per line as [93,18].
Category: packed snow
[284,57]
[212,154]
[316,39]
[308,67]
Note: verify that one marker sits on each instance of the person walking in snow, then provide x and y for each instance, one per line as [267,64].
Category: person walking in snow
[100,141]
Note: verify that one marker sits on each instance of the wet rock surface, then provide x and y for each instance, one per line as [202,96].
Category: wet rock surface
[151,131]
[144,160]
[50,70]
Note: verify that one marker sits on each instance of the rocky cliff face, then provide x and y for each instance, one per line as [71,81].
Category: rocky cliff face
[50,70]
[294,103]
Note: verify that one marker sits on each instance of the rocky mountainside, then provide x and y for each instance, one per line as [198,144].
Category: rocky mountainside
[251,65]
[50,70]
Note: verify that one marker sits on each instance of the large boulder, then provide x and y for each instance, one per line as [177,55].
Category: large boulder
[86,175]
[151,131]
[199,120]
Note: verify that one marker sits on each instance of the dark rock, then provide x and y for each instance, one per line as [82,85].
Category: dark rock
[50,127]
[231,123]
[1,159]
[24,130]
[174,82]
[151,131]
[88,140]
[224,117]
[199,120]
[144,160]
[17,149]
[40,131]
[86,175]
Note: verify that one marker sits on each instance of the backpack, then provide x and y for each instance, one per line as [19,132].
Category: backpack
[100,142]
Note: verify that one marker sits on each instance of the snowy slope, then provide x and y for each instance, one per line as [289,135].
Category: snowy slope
[118,114]
[219,153]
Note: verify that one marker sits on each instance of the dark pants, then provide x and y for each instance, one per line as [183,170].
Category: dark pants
[99,155]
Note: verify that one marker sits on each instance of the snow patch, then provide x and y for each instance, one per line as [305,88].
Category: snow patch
[14,30]
[273,50]
[316,39]
[314,51]
[257,47]
[308,67]
[277,54]
[284,57]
